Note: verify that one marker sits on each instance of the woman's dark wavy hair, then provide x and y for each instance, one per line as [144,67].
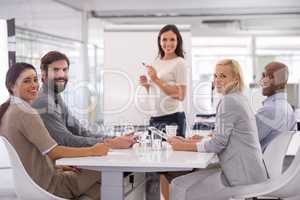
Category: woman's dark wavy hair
[12,75]
[178,51]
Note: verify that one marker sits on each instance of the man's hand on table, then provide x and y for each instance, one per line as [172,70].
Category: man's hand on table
[122,142]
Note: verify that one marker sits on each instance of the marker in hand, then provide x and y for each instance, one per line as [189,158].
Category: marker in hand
[144,64]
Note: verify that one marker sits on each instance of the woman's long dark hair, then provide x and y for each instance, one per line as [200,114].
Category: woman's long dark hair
[178,51]
[12,75]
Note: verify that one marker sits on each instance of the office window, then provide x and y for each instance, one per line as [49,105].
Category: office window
[206,52]
[82,88]
[285,49]
[32,45]
[95,79]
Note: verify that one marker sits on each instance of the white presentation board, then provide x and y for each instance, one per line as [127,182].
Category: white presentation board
[3,60]
[125,48]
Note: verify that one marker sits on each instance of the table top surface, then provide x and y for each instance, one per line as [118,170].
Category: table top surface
[139,157]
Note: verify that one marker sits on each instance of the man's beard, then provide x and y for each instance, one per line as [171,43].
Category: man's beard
[269,91]
[55,87]
[60,88]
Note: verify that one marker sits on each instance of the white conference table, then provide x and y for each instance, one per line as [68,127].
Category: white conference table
[137,159]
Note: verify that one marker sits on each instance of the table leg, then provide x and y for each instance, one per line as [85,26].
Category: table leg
[112,185]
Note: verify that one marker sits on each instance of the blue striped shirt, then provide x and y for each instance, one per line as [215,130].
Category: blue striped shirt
[276,116]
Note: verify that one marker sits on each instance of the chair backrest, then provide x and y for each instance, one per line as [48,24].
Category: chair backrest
[275,152]
[290,180]
[4,161]
[25,187]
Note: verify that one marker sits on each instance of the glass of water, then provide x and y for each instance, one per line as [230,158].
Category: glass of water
[157,144]
[145,142]
[171,130]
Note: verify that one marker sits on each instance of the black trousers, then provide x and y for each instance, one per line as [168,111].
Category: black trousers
[177,118]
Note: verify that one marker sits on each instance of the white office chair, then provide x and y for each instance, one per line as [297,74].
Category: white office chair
[273,159]
[275,152]
[283,187]
[6,181]
[25,187]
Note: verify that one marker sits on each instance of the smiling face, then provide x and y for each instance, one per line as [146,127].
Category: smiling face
[26,86]
[224,78]
[274,78]
[267,83]
[57,75]
[168,43]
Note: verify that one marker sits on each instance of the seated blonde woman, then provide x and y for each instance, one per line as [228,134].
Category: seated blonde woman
[24,129]
[235,141]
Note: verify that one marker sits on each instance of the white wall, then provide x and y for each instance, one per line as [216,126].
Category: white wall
[3,59]
[125,48]
[4,94]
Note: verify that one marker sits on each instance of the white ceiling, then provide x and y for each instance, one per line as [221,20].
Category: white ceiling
[246,14]
[165,5]
[43,15]
[63,17]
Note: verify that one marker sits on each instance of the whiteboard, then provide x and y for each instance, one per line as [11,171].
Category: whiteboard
[125,48]
[3,60]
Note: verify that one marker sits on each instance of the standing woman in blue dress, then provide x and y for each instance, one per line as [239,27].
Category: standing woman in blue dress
[167,82]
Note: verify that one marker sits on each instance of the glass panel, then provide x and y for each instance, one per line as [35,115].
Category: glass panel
[284,49]
[32,45]
[206,52]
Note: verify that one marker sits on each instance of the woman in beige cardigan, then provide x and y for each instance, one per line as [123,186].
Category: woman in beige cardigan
[24,129]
